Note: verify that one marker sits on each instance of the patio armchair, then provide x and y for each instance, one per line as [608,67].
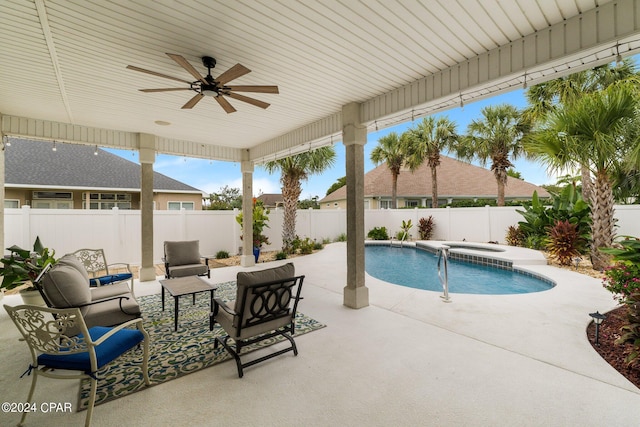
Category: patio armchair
[100,272]
[265,307]
[55,350]
[183,259]
[66,285]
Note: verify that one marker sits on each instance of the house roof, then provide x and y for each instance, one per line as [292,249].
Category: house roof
[271,199]
[455,179]
[34,164]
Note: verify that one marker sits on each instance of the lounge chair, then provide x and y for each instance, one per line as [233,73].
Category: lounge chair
[183,259]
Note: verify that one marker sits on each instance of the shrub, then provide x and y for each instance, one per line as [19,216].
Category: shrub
[399,235]
[341,237]
[515,236]
[306,246]
[425,228]
[622,279]
[378,233]
[222,254]
[564,242]
[317,246]
[631,331]
[405,227]
[281,255]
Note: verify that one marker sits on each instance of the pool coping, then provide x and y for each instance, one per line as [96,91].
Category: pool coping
[494,255]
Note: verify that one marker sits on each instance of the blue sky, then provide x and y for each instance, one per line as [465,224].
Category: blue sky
[210,176]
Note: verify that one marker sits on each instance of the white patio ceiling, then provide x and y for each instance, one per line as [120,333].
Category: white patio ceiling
[63,75]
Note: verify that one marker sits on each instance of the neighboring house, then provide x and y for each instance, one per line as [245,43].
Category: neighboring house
[271,201]
[456,181]
[72,174]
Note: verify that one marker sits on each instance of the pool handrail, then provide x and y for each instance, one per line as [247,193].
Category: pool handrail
[443,272]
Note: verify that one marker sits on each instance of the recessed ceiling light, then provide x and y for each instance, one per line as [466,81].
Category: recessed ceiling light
[162,123]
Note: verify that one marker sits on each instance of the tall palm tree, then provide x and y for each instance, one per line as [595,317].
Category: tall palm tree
[591,131]
[392,150]
[545,98]
[495,137]
[426,141]
[293,170]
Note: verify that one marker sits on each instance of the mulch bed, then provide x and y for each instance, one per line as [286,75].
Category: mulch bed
[613,353]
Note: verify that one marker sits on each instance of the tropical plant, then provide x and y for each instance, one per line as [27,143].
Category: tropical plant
[590,132]
[565,242]
[294,169]
[515,236]
[378,233]
[23,265]
[405,227]
[495,138]
[539,218]
[341,182]
[425,227]
[630,333]
[392,150]
[546,98]
[425,142]
[260,219]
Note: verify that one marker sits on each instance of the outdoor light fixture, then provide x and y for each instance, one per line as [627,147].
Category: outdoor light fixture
[54,146]
[597,319]
[6,141]
[95,152]
[618,56]
[577,260]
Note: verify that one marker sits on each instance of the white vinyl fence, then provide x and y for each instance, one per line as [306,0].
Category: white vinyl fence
[118,231]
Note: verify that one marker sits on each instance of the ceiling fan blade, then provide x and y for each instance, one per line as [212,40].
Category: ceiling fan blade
[187,66]
[167,89]
[153,73]
[193,101]
[261,89]
[251,101]
[225,104]
[232,73]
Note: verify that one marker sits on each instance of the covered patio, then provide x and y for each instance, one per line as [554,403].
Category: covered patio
[342,69]
[408,359]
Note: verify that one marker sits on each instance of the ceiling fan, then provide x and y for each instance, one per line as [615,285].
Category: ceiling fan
[209,86]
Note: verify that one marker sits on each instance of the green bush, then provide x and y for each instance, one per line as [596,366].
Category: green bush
[341,237]
[281,255]
[222,254]
[317,246]
[631,330]
[306,246]
[378,233]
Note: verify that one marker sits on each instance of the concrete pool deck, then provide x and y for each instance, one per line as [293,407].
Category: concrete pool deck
[407,359]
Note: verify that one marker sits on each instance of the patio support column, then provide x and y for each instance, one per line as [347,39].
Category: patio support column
[2,179]
[246,166]
[354,136]
[147,158]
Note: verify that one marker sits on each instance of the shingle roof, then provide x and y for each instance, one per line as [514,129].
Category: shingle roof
[271,199]
[33,163]
[456,179]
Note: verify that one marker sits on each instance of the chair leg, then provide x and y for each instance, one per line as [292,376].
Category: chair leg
[92,401]
[145,361]
[31,390]
[235,355]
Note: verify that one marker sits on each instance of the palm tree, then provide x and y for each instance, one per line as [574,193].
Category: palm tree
[496,137]
[591,131]
[294,169]
[545,98]
[392,150]
[426,141]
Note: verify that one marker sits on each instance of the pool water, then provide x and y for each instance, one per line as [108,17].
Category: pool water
[418,269]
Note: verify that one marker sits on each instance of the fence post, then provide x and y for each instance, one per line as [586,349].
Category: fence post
[488,210]
[236,233]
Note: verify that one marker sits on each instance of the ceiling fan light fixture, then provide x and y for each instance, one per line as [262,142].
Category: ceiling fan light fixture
[208,91]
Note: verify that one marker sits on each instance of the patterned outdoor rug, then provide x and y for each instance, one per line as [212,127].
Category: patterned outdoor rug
[173,354]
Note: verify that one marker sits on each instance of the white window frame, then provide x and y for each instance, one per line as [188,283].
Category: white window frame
[11,203]
[188,206]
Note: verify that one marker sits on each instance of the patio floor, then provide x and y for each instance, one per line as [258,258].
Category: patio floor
[407,359]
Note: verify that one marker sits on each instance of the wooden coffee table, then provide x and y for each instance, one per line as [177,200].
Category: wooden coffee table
[190,285]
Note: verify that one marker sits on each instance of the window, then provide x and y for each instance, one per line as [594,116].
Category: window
[51,204]
[176,206]
[52,195]
[107,201]
[385,204]
[13,204]
[412,203]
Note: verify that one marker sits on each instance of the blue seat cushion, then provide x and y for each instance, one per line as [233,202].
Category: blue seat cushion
[107,280]
[109,350]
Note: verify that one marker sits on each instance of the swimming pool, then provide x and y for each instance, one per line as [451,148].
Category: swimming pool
[416,268]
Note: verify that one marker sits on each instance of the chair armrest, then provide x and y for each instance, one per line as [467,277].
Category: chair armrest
[114,330]
[120,297]
[121,264]
[225,307]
